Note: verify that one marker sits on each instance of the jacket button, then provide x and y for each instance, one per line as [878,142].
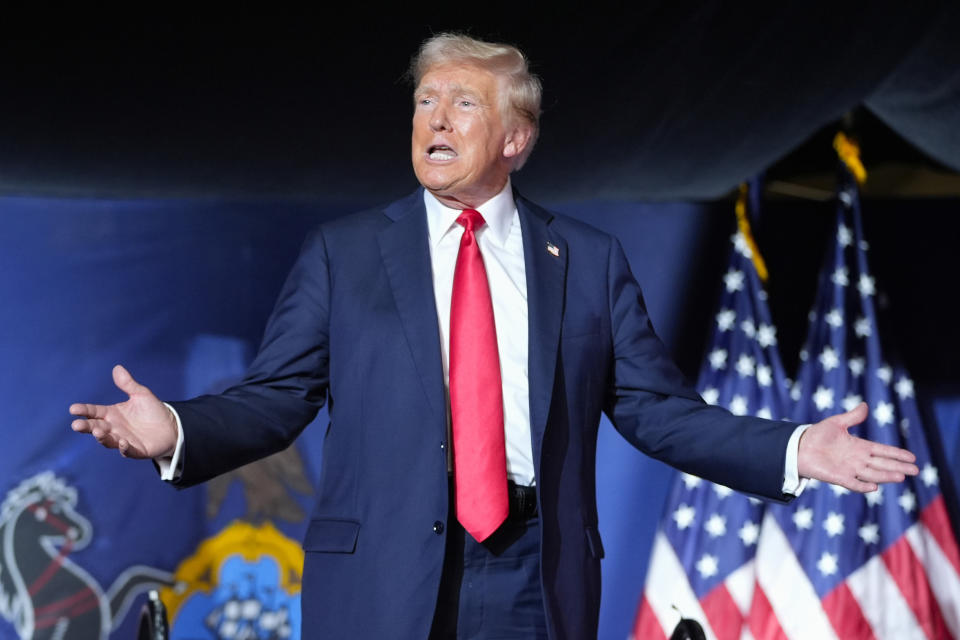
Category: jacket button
[438,527]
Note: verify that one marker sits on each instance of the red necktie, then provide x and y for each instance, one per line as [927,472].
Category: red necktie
[476,397]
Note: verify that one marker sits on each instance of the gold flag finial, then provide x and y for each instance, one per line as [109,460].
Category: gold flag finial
[849,152]
[744,225]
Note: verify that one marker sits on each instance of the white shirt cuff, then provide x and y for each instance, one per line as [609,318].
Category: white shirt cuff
[170,465]
[793,484]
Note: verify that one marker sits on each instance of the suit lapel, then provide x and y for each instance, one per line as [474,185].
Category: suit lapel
[406,258]
[546,283]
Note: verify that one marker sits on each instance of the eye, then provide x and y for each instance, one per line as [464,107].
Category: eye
[466,103]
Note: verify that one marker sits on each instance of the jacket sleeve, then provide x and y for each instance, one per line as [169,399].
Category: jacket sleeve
[284,387]
[651,404]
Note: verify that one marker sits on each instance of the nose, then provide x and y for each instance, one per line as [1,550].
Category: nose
[438,118]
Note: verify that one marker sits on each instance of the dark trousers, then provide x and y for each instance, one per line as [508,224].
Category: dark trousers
[491,590]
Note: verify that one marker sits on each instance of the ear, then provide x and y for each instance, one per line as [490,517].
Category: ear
[518,137]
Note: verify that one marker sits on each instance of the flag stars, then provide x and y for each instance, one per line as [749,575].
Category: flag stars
[869,533]
[856,366]
[827,564]
[804,354]
[803,518]
[796,391]
[907,501]
[834,318]
[823,398]
[883,414]
[765,413]
[840,277]
[722,491]
[838,490]
[905,427]
[725,319]
[885,373]
[866,285]
[716,525]
[741,245]
[844,236]
[904,388]
[850,401]
[690,481]
[749,533]
[707,566]
[718,359]
[710,395]
[766,335]
[929,475]
[764,375]
[862,327]
[745,365]
[874,497]
[828,359]
[738,406]
[749,329]
[833,525]
[684,516]
[733,280]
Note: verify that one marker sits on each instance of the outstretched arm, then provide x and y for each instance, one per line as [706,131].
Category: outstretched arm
[140,427]
[829,453]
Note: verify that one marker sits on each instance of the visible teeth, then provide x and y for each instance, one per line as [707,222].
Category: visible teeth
[441,155]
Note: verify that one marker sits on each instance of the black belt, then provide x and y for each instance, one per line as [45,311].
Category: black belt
[523,501]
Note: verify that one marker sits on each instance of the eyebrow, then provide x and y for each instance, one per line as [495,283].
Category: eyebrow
[454,88]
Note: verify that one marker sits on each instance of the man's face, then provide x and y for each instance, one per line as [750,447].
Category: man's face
[461,149]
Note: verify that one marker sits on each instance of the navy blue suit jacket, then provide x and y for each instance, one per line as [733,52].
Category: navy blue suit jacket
[356,326]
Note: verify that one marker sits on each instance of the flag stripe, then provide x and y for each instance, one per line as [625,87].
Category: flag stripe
[938,524]
[740,584]
[646,626]
[723,613]
[944,582]
[763,622]
[845,614]
[667,591]
[881,601]
[908,572]
[789,591]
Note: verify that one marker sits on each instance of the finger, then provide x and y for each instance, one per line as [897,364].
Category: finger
[80,426]
[885,464]
[101,432]
[88,410]
[880,476]
[125,381]
[128,450]
[855,416]
[860,485]
[878,450]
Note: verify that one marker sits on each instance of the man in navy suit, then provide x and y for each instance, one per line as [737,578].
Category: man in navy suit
[364,323]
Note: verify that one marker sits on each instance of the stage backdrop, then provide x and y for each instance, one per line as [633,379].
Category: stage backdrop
[178,291]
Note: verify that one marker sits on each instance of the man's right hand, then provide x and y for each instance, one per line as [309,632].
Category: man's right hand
[141,427]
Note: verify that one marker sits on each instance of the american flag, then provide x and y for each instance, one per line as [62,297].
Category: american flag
[703,560]
[836,564]
[833,564]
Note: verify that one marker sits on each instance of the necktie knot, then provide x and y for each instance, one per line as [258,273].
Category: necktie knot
[471,219]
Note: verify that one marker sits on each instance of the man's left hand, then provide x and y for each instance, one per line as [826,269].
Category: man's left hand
[829,453]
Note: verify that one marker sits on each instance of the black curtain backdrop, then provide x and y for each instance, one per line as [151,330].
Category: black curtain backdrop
[666,100]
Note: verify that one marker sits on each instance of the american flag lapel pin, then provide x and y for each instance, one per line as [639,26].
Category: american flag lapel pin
[553,250]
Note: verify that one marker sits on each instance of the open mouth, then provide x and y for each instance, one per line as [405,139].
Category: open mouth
[441,152]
